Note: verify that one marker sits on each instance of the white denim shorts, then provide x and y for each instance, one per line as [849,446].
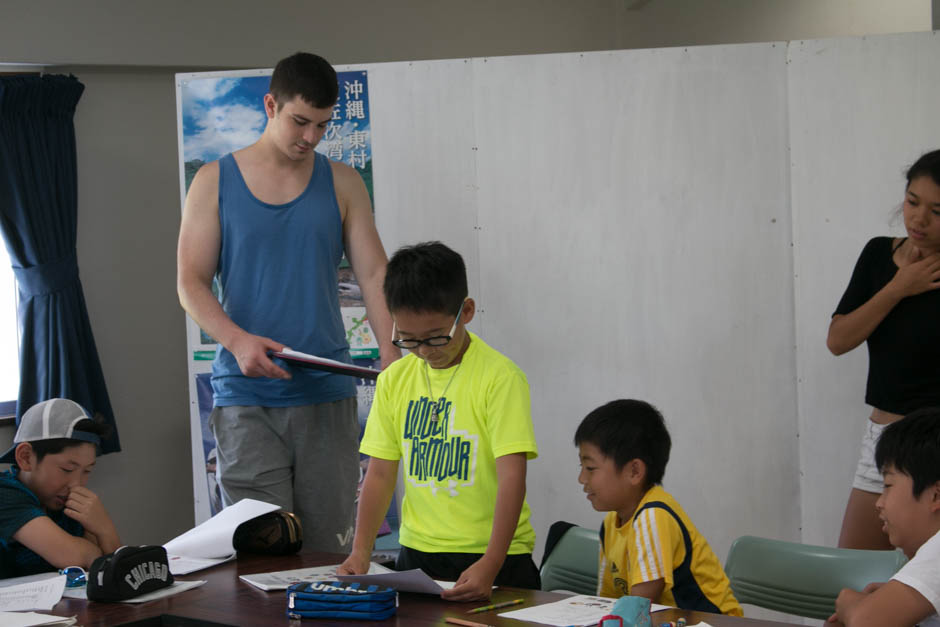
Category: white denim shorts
[867,477]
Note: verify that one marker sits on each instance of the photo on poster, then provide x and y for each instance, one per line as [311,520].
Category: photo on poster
[204,396]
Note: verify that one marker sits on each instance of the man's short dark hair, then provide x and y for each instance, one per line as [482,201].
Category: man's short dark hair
[912,446]
[629,429]
[426,277]
[41,448]
[306,75]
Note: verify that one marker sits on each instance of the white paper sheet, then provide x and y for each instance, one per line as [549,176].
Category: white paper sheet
[183,565]
[34,619]
[279,580]
[212,540]
[175,588]
[324,360]
[414,580]
[15,581]
[74,593]
[34,594]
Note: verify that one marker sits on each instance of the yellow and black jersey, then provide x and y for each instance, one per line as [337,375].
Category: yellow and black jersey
[660,542]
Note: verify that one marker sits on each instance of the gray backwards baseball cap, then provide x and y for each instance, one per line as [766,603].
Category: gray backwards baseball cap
[51,420]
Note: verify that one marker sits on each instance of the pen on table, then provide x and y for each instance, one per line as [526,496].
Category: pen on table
[496,606]
[466,623]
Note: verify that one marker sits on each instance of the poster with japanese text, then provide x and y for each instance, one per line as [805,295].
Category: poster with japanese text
[219,113]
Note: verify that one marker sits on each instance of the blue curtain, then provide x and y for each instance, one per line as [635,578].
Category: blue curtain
[38,217]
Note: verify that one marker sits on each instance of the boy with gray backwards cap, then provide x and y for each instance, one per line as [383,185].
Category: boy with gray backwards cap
[48,518]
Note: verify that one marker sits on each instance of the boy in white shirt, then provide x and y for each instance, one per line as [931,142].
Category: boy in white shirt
[908,454]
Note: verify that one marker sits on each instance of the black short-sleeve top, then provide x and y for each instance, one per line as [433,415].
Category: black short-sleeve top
[904,350]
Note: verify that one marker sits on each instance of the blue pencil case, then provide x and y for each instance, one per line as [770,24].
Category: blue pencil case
[335,599]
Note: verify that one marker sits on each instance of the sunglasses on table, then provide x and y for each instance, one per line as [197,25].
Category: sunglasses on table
[75,576]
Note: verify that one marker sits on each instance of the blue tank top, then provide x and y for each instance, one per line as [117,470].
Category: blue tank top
[278,276]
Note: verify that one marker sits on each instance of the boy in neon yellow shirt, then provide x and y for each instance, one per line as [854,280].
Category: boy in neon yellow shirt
[457,414]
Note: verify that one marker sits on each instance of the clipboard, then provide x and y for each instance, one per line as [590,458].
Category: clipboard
[303,360]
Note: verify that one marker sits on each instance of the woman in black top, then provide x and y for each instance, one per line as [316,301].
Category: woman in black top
[893,303]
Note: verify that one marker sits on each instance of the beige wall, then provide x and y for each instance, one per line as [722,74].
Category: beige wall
[127,226]
[126,53]
[242,34]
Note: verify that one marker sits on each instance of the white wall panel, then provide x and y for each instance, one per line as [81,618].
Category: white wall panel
[674,225]
[861,111]
[635,242]
[423,139]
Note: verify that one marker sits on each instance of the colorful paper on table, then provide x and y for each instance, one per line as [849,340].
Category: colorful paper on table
[581,609]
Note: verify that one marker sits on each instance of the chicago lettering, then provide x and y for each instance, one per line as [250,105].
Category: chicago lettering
[145,572]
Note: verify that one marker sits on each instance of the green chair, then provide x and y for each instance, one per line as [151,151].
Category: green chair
[570,560]
[802,579]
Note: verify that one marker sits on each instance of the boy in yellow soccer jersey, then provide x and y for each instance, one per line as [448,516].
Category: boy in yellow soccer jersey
[649,547]
[456,413]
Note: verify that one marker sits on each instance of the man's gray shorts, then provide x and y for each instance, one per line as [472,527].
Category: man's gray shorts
[304,459]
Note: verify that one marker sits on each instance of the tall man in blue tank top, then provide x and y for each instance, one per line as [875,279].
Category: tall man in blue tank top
[272,221]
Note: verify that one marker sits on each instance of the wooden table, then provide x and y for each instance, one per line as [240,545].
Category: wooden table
[226,600]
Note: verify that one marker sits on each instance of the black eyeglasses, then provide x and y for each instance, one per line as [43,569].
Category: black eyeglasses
[437,340]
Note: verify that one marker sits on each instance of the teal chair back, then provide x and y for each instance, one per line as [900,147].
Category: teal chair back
[802,579]
[572,563]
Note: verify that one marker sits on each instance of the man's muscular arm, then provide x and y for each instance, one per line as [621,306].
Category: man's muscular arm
[366,254]
[197,259]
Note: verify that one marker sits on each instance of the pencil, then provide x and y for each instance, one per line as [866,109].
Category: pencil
[496,606]
[466,623]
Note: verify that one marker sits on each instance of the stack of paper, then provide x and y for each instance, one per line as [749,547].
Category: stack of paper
[34,619]
[415,580]
[211,542]
[33,592]
[280,580]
